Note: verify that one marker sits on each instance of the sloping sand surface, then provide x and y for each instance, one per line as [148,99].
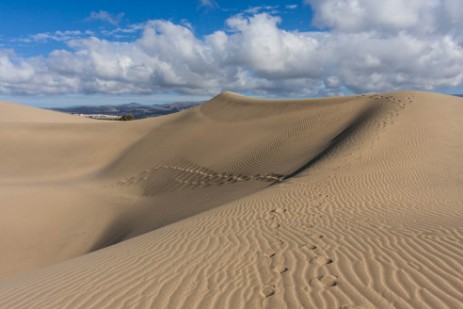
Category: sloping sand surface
[348,202]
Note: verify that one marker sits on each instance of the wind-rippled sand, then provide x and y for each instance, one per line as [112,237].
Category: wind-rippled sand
[347,202]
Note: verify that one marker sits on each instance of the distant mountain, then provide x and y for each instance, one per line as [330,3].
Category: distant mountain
[137,110]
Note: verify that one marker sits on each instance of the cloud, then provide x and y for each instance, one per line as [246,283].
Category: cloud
[291,6]
[253,54]
[269,9]
[208,3]
[113,19]
[68,35]
[392,16]
[129,31]
[58,36]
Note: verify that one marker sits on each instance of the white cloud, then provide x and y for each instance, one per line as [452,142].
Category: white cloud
[269,9]
[129,31]
[68,35]
[59,36]
[391,16]
[113,19]
[253,54]
[208,3]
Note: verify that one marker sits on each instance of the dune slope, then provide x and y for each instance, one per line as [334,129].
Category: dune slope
[349,202]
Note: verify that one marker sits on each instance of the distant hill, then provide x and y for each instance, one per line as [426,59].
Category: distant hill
[137,110]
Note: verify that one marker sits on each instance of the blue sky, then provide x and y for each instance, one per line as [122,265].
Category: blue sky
[55,53]
[22,19]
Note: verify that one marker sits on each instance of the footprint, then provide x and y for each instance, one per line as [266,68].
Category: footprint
[269,253]
[275,225]
[280,269]
[309,246]
[329,280]
[268,291]
[269,216]
[321,260]
[279,210]
[325,281]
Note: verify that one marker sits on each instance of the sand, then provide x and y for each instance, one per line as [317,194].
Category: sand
[346,202]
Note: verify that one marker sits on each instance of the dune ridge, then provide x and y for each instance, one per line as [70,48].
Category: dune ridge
[347,202]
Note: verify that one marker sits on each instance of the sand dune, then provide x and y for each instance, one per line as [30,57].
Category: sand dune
[347,202]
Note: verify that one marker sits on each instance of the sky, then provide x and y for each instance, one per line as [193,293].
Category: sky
[58,53]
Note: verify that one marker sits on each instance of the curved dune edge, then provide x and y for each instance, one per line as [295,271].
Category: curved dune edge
[342,202]
[14,113]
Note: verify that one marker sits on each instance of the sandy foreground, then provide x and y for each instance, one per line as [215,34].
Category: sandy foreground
[347,202]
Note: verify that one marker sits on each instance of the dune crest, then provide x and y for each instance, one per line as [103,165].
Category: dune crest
[347,202]
[15,113]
